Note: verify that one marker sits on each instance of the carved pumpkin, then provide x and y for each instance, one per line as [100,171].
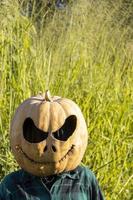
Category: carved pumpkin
[48,135]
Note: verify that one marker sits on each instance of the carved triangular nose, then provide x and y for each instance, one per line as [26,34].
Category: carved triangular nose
[45,149]
[54,148]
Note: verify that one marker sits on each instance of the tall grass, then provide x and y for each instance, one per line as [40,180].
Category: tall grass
[79,53]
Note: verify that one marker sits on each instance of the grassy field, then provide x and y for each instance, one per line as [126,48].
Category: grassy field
[85,53]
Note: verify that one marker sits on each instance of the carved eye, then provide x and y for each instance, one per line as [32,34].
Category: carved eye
[67,129]
[31,133]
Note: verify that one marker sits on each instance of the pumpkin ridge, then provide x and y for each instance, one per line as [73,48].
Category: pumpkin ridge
[67,102]
[57,116]
[42,117]
[62,108]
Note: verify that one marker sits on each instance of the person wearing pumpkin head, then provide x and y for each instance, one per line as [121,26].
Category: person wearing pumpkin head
[48,139]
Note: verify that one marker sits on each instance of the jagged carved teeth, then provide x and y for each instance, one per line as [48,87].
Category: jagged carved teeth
[19,149]
[68,153]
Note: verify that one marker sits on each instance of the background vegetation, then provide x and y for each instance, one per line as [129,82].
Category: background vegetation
[83,52]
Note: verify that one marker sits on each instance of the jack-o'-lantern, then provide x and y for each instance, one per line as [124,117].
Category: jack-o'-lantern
[48,135]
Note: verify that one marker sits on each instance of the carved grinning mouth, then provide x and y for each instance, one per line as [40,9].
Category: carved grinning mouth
[19,149]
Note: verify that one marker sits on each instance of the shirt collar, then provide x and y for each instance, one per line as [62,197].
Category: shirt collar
[73,174]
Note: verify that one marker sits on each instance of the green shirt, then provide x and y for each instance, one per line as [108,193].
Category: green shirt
[78,184]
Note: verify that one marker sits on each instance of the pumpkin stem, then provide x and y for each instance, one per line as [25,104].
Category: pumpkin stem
[48,96]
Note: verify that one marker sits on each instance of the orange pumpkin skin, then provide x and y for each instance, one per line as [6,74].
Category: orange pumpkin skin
[51,155]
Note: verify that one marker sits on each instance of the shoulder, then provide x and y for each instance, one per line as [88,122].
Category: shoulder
[7,185]
[86,172]
[87,176]
[90,183]
[12,178]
